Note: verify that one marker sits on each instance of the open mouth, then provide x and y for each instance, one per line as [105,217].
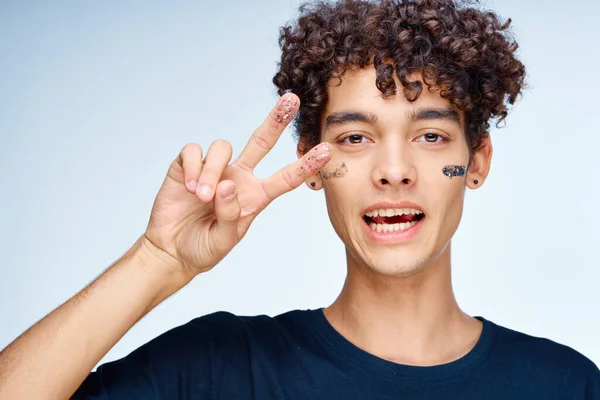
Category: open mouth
[393,219]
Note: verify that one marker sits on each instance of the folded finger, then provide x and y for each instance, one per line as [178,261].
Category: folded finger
[217,158]
[190,159]
[227,210]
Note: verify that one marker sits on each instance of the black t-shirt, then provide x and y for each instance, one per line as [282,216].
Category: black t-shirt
[299,355]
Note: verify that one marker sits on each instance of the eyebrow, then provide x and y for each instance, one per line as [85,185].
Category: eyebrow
[435,113]
[342,117]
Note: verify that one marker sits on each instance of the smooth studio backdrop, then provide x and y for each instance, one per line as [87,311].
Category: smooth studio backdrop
[98,97]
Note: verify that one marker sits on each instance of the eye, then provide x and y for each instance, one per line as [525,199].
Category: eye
[431,138]
[354,139]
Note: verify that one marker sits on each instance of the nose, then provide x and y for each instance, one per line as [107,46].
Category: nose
[394,168]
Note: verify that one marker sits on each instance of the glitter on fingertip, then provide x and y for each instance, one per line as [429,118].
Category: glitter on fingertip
[286,109]
[316,159]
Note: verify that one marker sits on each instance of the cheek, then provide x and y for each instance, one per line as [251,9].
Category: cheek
[450,178]
[339,166]
[444,183]
[337,170]
[341,181]
[449,184]
[339,206]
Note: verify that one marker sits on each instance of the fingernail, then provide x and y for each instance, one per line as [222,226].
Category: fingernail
[205,190]
[286,109]
[192,185]
[228,193]
[317,158]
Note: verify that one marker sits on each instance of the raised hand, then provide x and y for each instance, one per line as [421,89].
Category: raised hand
[205,206]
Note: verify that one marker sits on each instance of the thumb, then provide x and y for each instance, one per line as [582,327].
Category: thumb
[227,209]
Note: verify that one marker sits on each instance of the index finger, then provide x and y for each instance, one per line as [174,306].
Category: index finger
[266,135]
[292,176]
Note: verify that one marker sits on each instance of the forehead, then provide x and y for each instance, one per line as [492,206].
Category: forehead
[358,91]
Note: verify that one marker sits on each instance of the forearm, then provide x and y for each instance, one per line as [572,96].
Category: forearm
[52,358]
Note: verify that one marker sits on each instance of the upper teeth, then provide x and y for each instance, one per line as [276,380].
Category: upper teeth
[390,212]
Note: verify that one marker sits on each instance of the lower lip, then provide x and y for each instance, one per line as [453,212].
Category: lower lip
[393,237]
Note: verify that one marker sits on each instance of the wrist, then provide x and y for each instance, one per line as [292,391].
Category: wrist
[160,267]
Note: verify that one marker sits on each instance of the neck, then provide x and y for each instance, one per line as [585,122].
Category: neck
[411,320]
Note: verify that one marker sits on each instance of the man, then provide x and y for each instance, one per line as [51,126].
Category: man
[393,99]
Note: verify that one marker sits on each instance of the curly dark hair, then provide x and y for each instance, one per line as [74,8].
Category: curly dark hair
[465,53]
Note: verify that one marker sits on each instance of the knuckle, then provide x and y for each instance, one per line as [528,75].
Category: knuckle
[288,178]
[262,142]
[231,215]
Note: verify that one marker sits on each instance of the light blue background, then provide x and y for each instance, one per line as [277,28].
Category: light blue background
[97,98]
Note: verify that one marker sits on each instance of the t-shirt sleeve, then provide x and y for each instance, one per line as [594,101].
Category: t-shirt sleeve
[592,387]
[174,365]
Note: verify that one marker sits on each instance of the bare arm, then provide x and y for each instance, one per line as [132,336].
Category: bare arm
[189,232]
[53,357]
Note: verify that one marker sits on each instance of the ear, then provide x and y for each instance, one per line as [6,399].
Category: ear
[480,164]
[315,181]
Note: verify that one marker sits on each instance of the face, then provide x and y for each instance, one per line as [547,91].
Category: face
[394,188]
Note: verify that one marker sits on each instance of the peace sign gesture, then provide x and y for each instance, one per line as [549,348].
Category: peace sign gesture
[205,206]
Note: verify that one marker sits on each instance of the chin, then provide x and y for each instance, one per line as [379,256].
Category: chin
[406,262]
[396,269]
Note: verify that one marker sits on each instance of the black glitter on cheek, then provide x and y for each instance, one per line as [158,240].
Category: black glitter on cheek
[454,170]
[337,172]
